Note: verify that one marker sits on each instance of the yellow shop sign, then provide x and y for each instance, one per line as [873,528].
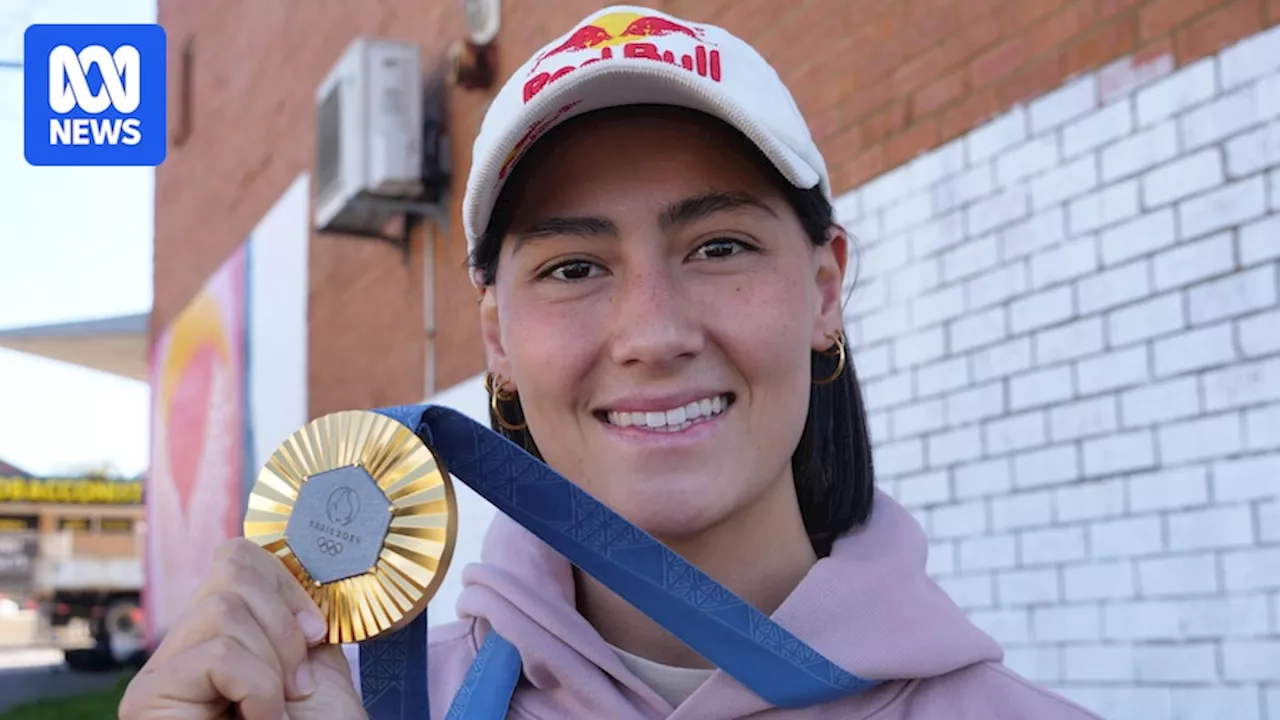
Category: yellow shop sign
[70,491]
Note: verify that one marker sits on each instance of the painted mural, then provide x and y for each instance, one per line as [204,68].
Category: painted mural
[197,440]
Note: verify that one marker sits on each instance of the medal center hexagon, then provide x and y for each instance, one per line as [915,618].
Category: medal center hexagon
[338,523]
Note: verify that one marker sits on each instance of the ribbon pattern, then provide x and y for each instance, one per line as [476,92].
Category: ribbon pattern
[706,616]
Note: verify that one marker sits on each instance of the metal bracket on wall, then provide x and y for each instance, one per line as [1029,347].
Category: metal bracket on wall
[411,214]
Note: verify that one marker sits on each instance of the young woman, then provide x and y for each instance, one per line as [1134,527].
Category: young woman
[661,284]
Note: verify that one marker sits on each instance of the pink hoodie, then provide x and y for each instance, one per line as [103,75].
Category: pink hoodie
[869,607]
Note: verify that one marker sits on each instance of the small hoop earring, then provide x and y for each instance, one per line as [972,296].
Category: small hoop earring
[497,394]
[838,351]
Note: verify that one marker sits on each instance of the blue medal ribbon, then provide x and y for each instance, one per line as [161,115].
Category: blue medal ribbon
[719,625]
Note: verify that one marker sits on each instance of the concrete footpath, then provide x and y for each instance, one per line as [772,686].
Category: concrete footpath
[29,674]
[31,670]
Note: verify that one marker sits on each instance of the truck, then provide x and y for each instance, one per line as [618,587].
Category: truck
[71,551]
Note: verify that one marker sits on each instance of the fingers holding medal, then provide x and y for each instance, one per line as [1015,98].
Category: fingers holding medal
[243,639]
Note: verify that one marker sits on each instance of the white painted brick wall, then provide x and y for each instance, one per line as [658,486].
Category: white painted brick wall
[1139,152]
[1139,236]
[1067,342]
[1068,181]
[1194,350]
[1174,94]
[1236,295]
[996,286]
[1251,58]
[1103,208]
[1066,623]
[1029,158]
[1113,370]
[1260,241]
[998,210]
[1224,207]
[1111,123]
[1021,511]
[1178,576]
[1194,261]
[1071,101]
[1160,402]
[1253,151]
[1183,177]
[1068,326]
[1219,118]
[1089,501]
[1168,489]
[1070,260]
[1042,309]
[1028,587]
[1147,319]
[1109,580]
[1247,478]
[1202,438]
[1034,233]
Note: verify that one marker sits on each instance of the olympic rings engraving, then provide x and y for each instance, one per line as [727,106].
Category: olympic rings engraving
[329,547]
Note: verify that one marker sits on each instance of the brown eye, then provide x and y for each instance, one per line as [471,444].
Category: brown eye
[721,248]
[570,271]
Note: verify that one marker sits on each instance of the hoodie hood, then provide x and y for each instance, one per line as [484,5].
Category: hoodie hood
[869,606]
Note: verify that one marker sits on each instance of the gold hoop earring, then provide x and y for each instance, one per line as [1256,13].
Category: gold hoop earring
[497,394]
[839,352]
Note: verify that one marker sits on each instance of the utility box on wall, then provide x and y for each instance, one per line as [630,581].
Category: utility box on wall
[369,134]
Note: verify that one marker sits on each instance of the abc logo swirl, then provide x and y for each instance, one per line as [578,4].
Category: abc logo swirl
[329,546]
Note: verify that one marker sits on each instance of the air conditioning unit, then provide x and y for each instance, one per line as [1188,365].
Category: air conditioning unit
[369,137]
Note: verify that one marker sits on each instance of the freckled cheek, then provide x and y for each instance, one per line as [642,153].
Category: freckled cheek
[763,328]
[550,350]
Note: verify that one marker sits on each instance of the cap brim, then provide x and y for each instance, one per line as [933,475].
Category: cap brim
[605,85]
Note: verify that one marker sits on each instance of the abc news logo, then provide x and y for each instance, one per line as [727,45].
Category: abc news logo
[69,89]
[95,95]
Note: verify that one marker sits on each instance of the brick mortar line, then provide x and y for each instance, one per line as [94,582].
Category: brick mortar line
[946,138]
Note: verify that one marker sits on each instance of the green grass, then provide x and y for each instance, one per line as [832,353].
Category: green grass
[100,705]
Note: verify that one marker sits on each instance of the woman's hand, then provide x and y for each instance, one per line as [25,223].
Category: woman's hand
[249,638]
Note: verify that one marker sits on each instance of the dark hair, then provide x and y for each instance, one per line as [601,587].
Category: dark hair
[832,465]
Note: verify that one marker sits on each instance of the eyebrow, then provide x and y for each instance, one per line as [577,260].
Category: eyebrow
[701,206]
[682,212]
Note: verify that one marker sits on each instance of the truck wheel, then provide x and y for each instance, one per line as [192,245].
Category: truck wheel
[123,629]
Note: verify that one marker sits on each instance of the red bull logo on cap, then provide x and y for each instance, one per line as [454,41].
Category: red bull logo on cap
[636,36]
[532,133]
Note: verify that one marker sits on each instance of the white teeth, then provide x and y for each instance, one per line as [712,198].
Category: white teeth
[674,419]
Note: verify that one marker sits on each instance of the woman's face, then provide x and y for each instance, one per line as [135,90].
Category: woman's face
[655,307]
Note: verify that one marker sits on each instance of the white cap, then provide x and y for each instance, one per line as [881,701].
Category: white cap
[627,55]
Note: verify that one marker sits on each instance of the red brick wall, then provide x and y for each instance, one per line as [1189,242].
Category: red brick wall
[256,67]
[907,76]
[879,80]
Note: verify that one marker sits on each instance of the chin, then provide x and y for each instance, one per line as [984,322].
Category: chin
[673,514]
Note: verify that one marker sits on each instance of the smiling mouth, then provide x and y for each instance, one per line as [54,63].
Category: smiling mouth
[670,421]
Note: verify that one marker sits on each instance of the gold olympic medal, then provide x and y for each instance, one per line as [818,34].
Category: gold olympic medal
[363,514]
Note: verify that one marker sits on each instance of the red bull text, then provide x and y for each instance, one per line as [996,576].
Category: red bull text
[635,34]
[703,62]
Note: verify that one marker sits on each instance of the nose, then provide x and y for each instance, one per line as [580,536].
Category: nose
[656,324]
